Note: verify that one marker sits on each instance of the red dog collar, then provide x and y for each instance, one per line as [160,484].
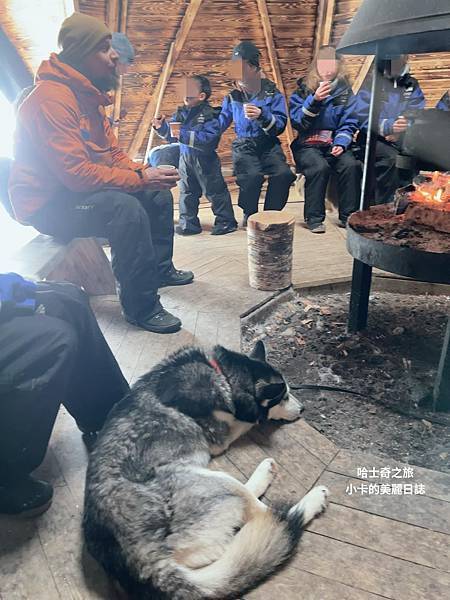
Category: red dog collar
[215,366]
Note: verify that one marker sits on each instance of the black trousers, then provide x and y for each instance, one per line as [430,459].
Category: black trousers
[252,159]
[202,175]
[316,164]
[139,229]
[59,357]
[388,176]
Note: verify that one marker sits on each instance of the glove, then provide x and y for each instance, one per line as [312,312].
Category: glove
[17,295]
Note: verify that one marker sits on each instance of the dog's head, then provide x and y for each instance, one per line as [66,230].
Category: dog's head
[260,391]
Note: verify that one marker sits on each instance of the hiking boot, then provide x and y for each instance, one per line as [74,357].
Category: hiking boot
[224,228]
[184,231]
[316,227]
[25,497]
[176,277]
[161,322]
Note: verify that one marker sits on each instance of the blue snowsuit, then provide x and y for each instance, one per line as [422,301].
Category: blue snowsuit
[399,97]
[444,102]
[199,167]
[256,150]
[333,119]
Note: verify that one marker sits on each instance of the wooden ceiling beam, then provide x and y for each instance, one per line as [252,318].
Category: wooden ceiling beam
[180,38]
[122,14]
[112,14]
[159,99]
[274,64]
[324,26]
[365,68]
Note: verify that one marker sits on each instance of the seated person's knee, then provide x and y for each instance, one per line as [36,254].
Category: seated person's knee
[285,175]
[246,180]
[128,207]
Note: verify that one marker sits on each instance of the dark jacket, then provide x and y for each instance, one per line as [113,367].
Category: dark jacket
[398,97]
[444,102]
[200,129]
[337,113]
[272,121]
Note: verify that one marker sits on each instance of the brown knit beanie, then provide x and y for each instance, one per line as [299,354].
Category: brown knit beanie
[79,35]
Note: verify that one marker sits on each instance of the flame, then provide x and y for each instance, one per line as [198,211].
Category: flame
[436,189]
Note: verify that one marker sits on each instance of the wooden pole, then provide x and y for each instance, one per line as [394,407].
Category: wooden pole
[112,14]
[365,68]
[165,78]
[319,23]
[149,113]
[324,27]
[122,27]
[271,49]
[328,22]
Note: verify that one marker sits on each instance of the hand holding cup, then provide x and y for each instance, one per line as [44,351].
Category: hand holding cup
[323,91]
[251,111]
[400,125]
[163,177]
[175,128]
[158,121]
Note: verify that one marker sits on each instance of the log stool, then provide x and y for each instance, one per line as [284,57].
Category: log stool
[270,236]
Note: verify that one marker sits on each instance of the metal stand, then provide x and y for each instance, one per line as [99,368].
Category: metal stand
[359,298]
[441,392]
[362,273]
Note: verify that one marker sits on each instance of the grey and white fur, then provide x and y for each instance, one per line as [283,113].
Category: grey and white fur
[156,518]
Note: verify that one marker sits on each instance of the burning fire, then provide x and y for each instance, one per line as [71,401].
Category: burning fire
[436,189]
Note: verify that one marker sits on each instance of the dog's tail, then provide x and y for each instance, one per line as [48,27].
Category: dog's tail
[264,543]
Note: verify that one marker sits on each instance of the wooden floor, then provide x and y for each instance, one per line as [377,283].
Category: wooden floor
[364,547]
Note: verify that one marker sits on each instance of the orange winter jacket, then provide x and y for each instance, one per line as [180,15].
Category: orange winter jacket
[63,141]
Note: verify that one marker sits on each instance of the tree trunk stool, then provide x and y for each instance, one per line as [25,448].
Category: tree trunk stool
[270,237]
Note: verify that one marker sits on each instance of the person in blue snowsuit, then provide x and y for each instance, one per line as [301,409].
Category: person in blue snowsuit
[401,95]
[199,165]
[166,154]
[323,113]
[259,113]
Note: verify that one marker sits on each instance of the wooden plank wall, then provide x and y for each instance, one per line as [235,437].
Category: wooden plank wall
[432,70]
[219,25]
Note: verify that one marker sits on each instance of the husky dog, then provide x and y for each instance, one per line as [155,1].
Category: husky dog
[156,518]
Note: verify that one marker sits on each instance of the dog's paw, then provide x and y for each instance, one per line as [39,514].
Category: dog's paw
[262,477]
[319,499]
[269,466]
[313,504]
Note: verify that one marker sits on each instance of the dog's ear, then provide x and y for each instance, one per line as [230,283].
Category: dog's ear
[259,351]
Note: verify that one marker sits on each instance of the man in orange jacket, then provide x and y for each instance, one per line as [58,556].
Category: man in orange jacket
[70,179]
